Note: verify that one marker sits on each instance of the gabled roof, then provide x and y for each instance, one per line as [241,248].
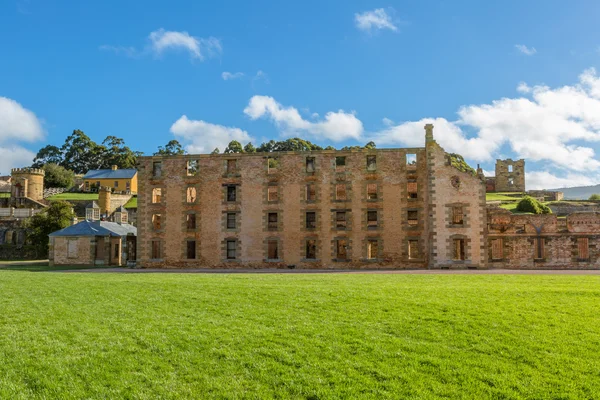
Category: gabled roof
[92,204]
[110,173]
[96,228]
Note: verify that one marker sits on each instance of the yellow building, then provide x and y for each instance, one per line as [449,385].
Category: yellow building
[120,180]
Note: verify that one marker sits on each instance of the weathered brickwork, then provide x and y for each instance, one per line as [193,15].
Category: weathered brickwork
[249,209]
[510,176]
[543,241]
[84,250]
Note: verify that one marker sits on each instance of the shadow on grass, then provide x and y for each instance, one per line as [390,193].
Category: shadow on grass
[46,267]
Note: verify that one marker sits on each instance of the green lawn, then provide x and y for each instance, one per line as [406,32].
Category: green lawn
[502,197]
[132,203]
[74,196]
[313,336]
[4,195]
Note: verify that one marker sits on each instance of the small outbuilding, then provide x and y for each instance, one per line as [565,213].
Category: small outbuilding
[93,243]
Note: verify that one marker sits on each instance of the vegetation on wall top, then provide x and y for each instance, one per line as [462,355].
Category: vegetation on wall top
[458,162]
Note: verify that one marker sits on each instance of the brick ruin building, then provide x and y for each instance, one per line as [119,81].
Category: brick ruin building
[365,208]
[509,177]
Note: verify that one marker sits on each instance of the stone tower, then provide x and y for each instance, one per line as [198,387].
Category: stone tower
[510,175]
[104,196]
[27,183]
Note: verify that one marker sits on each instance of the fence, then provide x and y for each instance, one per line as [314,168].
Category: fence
[18,213]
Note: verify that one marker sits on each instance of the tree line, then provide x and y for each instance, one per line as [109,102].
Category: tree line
[80,153]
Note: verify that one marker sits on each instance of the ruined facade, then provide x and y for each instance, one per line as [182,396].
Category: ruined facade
[389,208]
[510,176]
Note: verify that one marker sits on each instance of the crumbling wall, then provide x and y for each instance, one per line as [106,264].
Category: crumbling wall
[510,175]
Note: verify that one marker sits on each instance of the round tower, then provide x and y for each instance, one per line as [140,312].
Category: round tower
[104,200]
[27,182]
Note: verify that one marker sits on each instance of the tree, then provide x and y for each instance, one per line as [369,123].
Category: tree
[47,154]
[267,147]
[370,145]
[58,176]
[249,148]
[529,204]
[595,196]
[234,147]
[173,148]
[216,151]
[81,153]
[57,216]
[116,153]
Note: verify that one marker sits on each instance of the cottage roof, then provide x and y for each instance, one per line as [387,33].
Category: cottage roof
[96,228]
[110,173]
[92,204]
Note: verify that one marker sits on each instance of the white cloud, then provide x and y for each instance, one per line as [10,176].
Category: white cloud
[546,180]
[523,88]
[231,75]
[204,136]
[336,126]
[18,123]
[199,48]
[14,157]
[373,20]
[551,126]
[387,122]
[260,76]
[528,51]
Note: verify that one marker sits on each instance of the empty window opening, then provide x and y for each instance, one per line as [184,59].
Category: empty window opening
[372,249]
[341,249]
[156,169]
[191,195]
[411,159]
[272,221]
[156,221]
[413,217]
[156,195]
[192,167]
[311,220]
[273,164]
[340,162]
[156,249]
[497,253]
[190,221]
[310,164]
[231,193]
[231,249]
[411,188]
[372,191]
[231,166]
[191,250]
[273,250]
[117,251]
[371,219]
[413,249]
[340,191]
[72,248]
[371,163]
[311,249]
[231,220]
[511,181]
[583,248]
[116,184]
[311,193]
[457,215]
[272,193]
[459,249]
[340,219]
[510,168]
[539,248]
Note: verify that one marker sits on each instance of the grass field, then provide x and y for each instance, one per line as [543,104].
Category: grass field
[74,196]
[502,197]
[306,336]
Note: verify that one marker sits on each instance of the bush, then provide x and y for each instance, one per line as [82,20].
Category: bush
[529,204]
[58,177]
[595,196]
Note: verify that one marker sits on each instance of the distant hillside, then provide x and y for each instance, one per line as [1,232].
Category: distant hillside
[579,192]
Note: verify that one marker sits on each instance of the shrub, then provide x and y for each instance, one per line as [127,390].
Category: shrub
[595,196]
[529,204]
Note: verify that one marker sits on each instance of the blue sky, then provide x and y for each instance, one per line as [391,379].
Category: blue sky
[498,79]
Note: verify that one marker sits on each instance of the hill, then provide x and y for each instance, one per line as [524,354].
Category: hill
[579,192]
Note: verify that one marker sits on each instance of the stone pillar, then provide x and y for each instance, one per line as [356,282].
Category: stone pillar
[428,133]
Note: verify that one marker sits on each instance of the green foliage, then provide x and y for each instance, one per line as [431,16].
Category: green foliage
[216,151]
[298,336]
[58,176]
[529,204]
[370,145]
[47,154]
[116,153]
[80,153]
[458,162]
[57,216]
[595,196]
[249,148]
[173,148]
[234,147]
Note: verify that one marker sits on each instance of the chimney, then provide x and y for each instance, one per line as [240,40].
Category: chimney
[114,167]
[428,133]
